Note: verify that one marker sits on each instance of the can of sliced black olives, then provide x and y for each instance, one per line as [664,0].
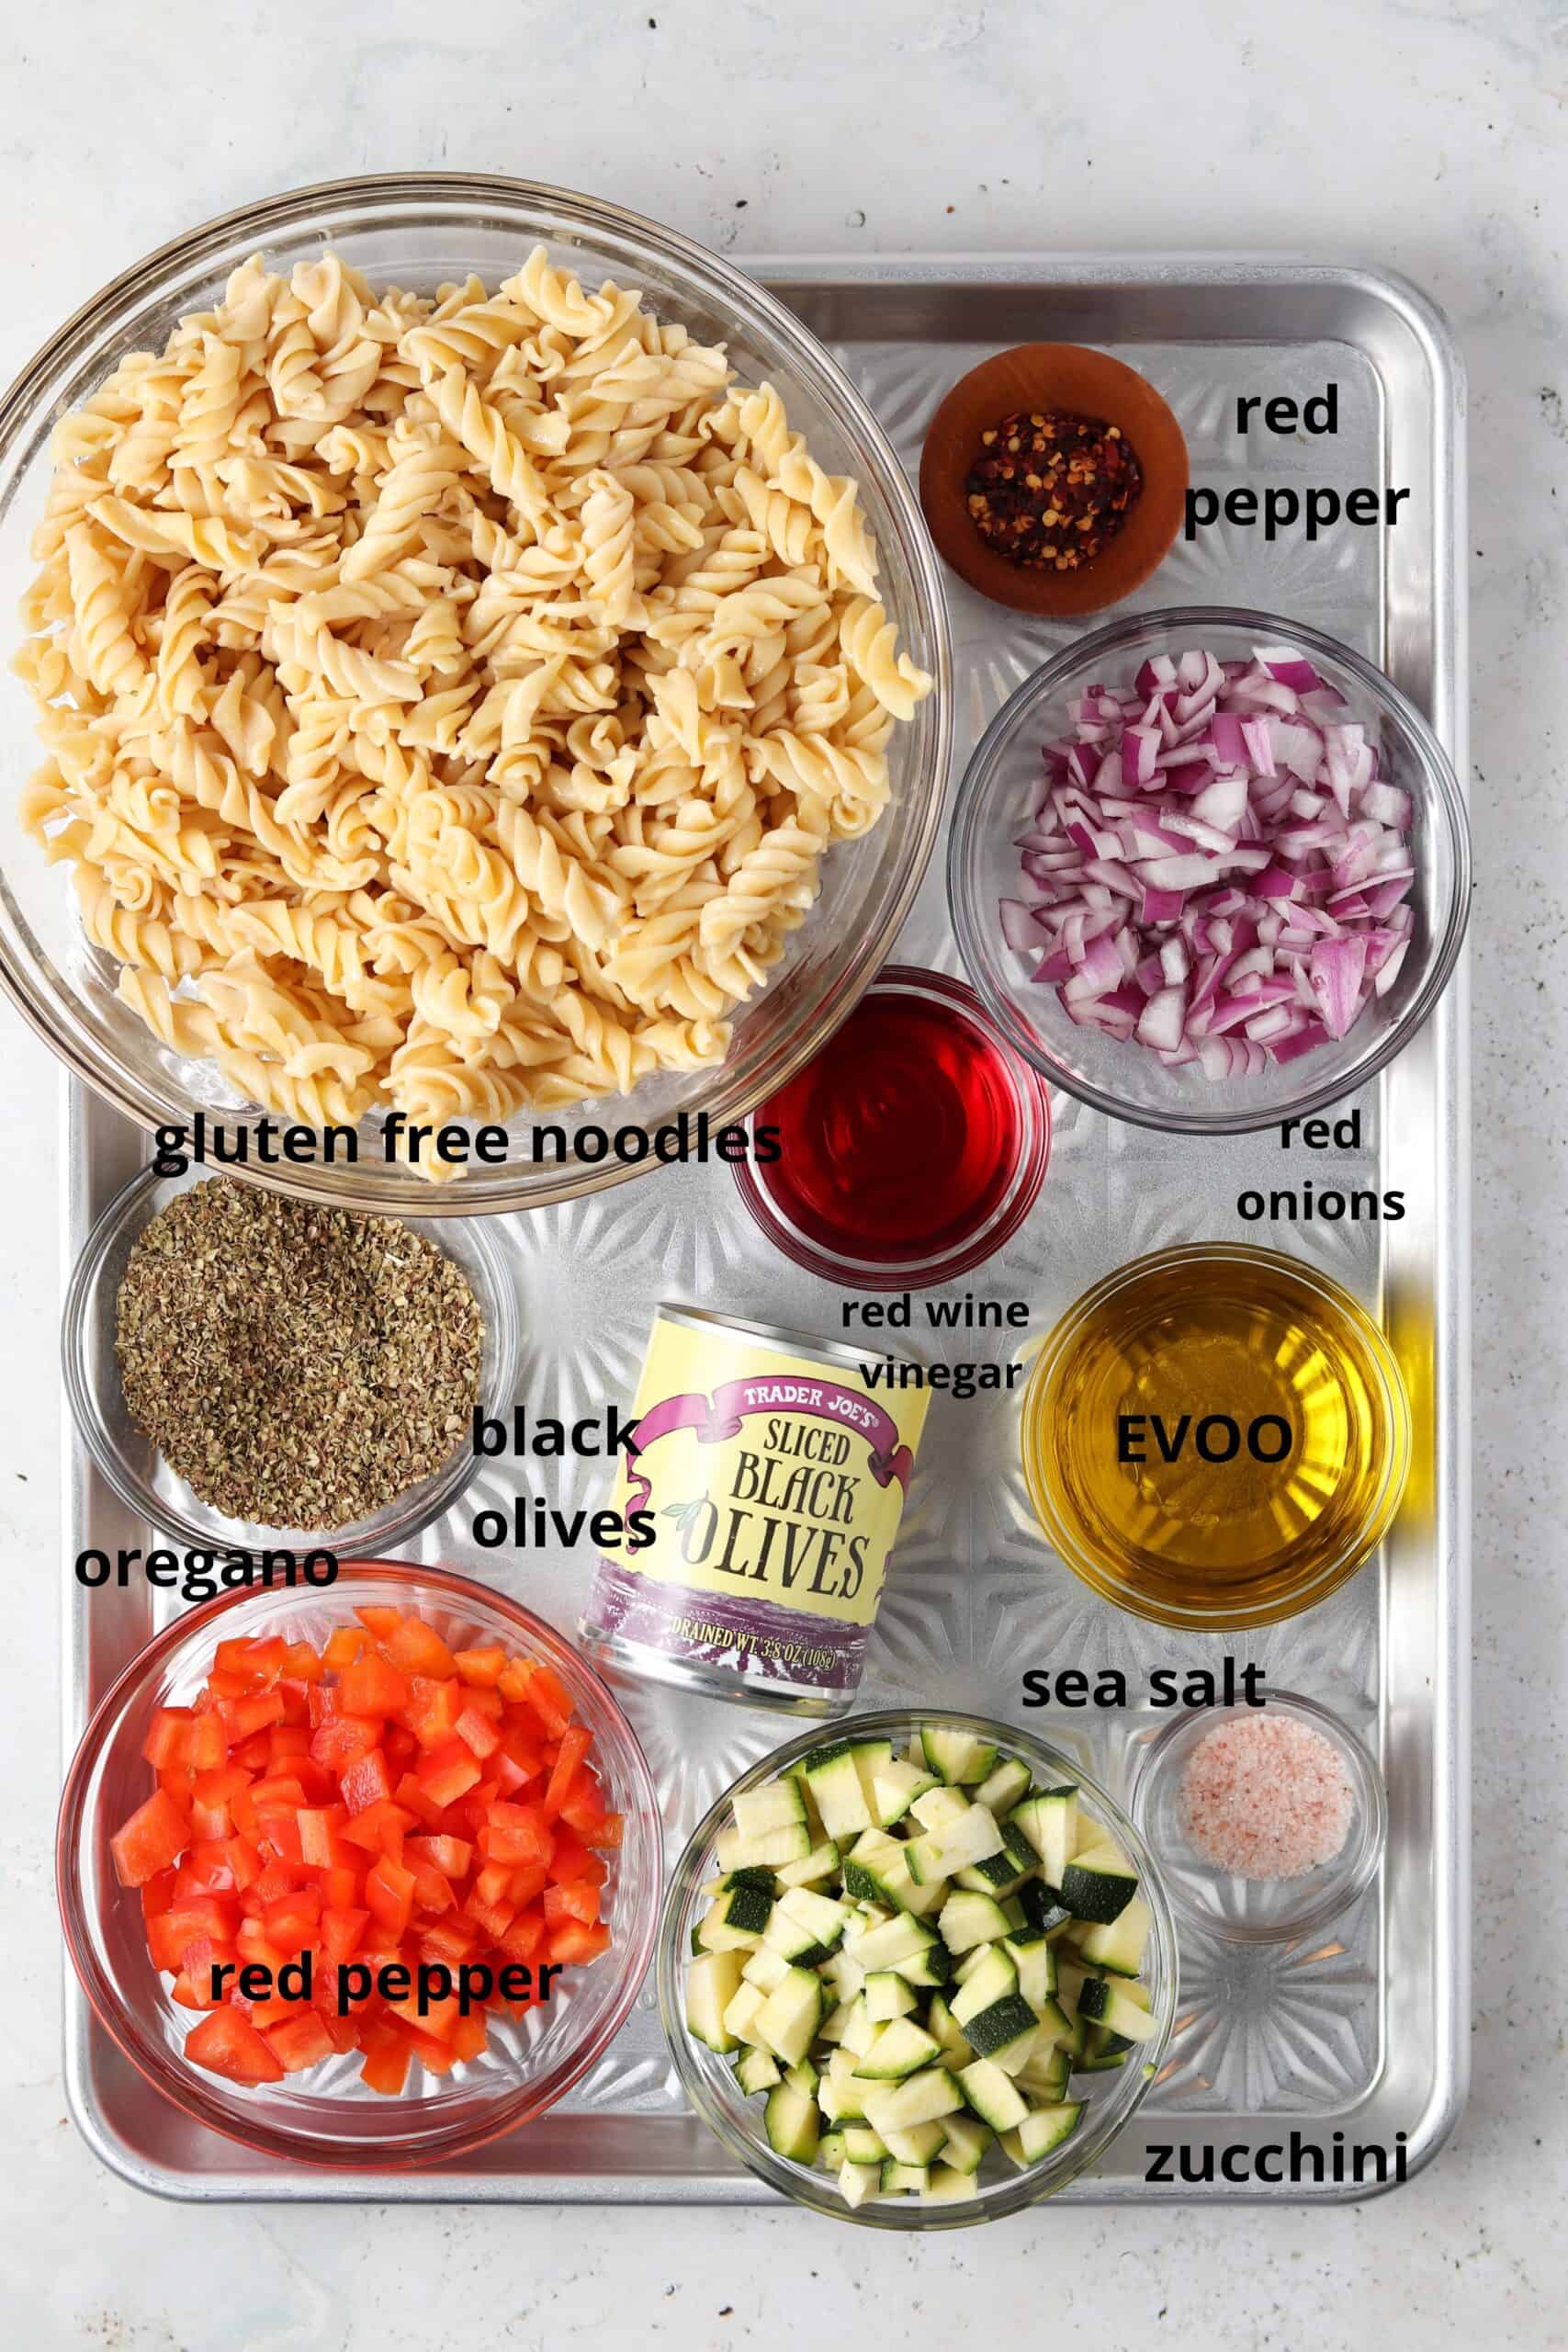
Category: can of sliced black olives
[773,1467]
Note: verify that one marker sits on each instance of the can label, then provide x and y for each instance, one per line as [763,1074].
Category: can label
[777,1484]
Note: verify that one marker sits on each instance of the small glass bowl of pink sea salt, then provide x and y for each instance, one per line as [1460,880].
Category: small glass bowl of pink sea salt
[1269,1820]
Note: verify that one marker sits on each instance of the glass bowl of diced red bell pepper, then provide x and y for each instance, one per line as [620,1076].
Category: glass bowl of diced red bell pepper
[364,1875]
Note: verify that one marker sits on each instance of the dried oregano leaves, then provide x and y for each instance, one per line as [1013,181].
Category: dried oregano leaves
[297,1367]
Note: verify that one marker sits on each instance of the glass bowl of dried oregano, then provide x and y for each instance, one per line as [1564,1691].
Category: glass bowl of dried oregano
[252,1373]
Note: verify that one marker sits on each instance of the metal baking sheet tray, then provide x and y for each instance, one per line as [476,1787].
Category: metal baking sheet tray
[1365,2031]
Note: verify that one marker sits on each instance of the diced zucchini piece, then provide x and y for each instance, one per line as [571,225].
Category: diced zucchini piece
[887,1996]
[1049,1821]
[1004,1788]
[991,1980]
[1047,2074]
[948,2186]
[1117,2010]
[857,2182]
[1099,1884]
[871,1757]
[965,2142]
[1035,1962]
[836,1790]
[789,2018]
[756,2069]
[764,1969]
[894,1788]
[832,2027]
[922,2099]
[957,1756]
[896,1943]
[712,1982]
[993,2095]
[960,1844]
[861,2031]
[715,1932]
[904,2180]
[940,1808]
[843,1972]
[920,2144]
[862,2146]
[830,2151]
[940,2021]
[900,2048]
[1119,1945]
[804,2079]
[749,1905]
[1006,2021]
[1040,1908]
[970,1919]
[1038,2133]
[772,1847]
[1102,2051]
[805,1927]
[756,1811]
[839,2094]
[869,1863]
[820,1863]
[740,2017]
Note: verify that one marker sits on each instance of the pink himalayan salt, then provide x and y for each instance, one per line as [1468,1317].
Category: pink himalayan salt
[1266,1796]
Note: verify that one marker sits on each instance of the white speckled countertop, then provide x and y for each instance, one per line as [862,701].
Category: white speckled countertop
[1431,137]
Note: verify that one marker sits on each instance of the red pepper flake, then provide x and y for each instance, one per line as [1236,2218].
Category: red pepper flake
[1049,491]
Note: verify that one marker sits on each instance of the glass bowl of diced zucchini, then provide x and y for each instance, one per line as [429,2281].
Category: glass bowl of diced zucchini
[920,1973]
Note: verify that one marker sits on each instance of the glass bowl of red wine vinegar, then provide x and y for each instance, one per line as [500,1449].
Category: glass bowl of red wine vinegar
[909,1147]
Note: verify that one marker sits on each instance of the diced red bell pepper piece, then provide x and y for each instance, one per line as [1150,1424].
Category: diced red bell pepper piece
[226,2044]
[243,1718]
[387,2056]
[293,1921]
[579,1901]
[379,1617]
[448,1772]
[432,1890]
[156,1835]
[470,2036]
[483,1667]
[516,1833]
[165,1742]
[524,1939]
[478,1732]
[449,1939]
[575,1743]
[433,1710]
[388,1893]
[451,1856]
[373,1688]
[573,1942]
[367,1781]
[303,2042]
[342,1928]
[344,1740]
[418,1648]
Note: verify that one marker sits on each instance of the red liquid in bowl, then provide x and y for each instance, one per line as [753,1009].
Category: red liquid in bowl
[900,1141]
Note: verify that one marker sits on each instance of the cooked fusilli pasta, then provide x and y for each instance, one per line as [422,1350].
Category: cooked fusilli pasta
[448,702]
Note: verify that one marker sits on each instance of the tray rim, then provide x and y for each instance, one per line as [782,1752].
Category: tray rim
[1447,702]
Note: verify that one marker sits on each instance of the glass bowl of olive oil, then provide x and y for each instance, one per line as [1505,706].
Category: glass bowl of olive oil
[1216,1437]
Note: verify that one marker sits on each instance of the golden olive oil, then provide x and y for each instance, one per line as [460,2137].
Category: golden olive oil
[1216,1436]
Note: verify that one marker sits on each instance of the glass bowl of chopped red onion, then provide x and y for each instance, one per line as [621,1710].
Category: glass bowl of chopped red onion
[1210,869]
[1269,1821]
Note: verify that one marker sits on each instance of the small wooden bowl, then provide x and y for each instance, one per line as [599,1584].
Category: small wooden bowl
[1081,382]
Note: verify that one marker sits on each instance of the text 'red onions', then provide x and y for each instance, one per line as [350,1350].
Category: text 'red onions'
[1218,868]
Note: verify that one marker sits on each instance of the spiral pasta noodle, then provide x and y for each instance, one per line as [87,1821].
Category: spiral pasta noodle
[447,701]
